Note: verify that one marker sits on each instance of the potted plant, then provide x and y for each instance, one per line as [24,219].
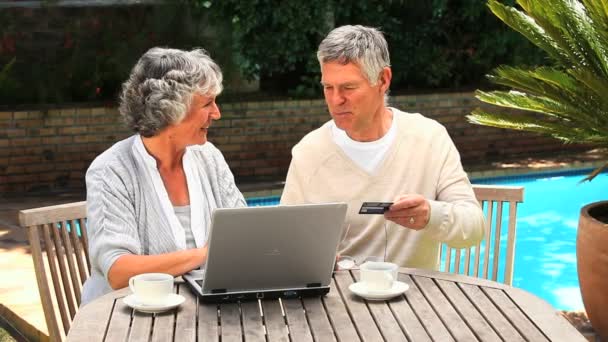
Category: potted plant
[567,100]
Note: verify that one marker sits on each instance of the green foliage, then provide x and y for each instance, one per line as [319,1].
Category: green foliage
[566,99]
[64,54]
[434,44]
[8,84]
[83,54]
[275,41]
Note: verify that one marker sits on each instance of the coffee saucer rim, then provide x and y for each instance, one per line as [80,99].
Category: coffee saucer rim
[398,288]
[174,300]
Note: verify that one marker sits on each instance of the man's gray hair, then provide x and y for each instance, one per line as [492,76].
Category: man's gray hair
[364,46]
[159,90]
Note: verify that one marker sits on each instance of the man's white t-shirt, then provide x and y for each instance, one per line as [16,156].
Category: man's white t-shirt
[367,155]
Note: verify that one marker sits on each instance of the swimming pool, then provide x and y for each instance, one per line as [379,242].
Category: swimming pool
[547,221]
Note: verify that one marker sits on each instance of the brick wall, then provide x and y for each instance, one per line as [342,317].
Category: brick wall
[51,149]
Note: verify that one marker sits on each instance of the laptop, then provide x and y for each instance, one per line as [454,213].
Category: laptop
[269,252]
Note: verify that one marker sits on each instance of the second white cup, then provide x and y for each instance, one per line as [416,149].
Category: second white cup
[151,288]
[378,276]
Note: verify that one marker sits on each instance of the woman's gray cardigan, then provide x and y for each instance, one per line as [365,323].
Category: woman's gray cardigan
[124,213]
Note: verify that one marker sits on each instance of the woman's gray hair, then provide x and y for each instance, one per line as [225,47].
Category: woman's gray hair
[159,90]
[364,46]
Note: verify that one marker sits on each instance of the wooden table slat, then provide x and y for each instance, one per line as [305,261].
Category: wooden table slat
[88,329]
[450,317]
[163,326]
[320,326]
[274,320]
[140,329]
[468,312]
[185,325]
[357,307]
[208,322]
[387,322]
[253,327]
[118,330]
[493,316]
[434,326]
[163,323]
[337,315]
[230,322]
[296,319]
[413,329]
[413,272]
[546,317]
[514,314]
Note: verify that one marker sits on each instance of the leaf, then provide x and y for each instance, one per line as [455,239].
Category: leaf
[557,86]
[528,27]
[558,129]
[594,173]
[6,69]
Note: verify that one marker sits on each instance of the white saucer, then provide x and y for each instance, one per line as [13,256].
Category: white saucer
[360,289]
[173,300]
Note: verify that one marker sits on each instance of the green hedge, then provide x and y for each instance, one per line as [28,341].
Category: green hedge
[71,54]
[54,55]
[434,43]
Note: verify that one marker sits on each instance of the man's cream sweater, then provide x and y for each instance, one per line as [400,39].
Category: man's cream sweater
[421,160]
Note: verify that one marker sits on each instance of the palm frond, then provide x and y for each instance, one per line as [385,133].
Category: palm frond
[511,121]
[523,101]
[566,22]
[594,86]
[598,11]
[526,5]
[567,100]
[542,81]
[537,10]
[525,25]
[559,130]
[556,85]
[581,34]
[594,173]
[542,12]
[555,111]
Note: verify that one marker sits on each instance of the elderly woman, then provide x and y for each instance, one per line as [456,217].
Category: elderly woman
[150,196]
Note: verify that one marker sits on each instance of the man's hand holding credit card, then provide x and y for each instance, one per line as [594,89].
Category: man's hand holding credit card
[374,207]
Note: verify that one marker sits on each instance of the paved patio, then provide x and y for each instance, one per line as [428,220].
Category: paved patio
[19,299]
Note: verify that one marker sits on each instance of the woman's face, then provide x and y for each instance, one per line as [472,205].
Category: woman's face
[192,130]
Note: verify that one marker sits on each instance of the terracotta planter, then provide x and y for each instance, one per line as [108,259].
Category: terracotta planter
[592,263]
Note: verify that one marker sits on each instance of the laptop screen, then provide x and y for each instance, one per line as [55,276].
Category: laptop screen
[275,248]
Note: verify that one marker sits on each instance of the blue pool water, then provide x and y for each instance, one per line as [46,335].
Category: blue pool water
[545,251]
[547,221]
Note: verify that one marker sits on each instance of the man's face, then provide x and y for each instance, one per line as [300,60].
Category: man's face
[354,104]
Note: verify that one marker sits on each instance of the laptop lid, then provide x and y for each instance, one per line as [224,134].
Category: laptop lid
[283,249]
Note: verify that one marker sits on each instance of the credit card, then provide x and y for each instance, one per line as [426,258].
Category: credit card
[374,207]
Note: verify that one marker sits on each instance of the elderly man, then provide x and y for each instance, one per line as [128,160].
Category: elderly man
[372,152]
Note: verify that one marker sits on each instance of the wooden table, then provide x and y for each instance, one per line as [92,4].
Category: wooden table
[437,307]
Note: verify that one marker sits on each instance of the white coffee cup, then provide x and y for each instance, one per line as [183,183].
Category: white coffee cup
[378,275]
[151,288]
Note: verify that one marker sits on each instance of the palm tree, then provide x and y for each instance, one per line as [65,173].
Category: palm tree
[569,99]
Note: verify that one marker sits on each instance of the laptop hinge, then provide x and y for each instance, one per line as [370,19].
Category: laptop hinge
[313,285]
[218,291]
